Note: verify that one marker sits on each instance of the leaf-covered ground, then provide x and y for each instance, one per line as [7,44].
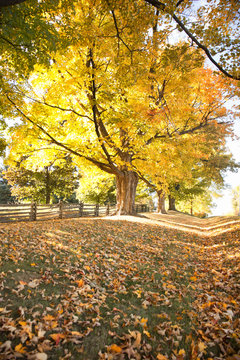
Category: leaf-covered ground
[116,289]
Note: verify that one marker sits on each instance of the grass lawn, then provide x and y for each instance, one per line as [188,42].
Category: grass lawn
[115,289]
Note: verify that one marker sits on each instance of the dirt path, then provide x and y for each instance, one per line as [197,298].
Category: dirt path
[204,227]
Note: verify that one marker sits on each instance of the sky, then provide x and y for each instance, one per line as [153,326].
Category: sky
[224,204]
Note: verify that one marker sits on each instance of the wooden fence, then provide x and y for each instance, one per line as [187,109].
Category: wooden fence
[33,211]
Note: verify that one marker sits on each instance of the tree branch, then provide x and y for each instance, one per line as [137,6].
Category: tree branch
[54,106]
[100,128]
[117,29]
[162,6]
[102,166]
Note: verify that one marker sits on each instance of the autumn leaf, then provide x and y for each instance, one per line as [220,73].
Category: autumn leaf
[20,348]
[161,357]
[201,346]
[80,283]
[114,349]
[57,337]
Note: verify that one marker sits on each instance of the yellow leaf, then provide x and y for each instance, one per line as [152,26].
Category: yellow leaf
[201,346]
[23,323]
[76,333]
[114,349]
[182,352]
[143,321]
[19,348]
[57,336]
[193,278]
[147,333]
[54,324]
[161,357]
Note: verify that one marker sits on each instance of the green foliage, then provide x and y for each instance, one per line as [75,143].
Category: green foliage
[5,191]
[49,184]
[29,34]
[197,204]
[97,189]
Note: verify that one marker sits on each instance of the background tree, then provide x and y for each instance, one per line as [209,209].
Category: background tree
[236,200]
[197,204]
[5,191]
[97,188]
[48,184]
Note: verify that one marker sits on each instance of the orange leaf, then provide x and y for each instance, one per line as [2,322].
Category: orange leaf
[48,318]
[20,349]
[80,283]
[114,349]
[57,337]
[161,357]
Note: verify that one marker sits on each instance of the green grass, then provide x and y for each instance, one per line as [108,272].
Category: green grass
[107,289]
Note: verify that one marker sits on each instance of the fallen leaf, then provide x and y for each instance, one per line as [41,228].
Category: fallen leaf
[161,357]
[114,349]
[20,349]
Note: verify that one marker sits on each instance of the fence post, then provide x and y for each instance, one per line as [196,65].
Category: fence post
[108,209]
[60,209]
[33,212]
[96,210]
[81,209]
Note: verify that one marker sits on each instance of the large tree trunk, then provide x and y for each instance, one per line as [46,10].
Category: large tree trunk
[161,202]
[126,190]
[172,205]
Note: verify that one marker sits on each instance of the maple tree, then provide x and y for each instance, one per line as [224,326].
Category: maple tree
[119,128]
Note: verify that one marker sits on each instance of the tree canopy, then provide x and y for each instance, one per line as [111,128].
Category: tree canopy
[118,96]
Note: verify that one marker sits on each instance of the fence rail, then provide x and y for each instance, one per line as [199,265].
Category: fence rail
[33,211]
